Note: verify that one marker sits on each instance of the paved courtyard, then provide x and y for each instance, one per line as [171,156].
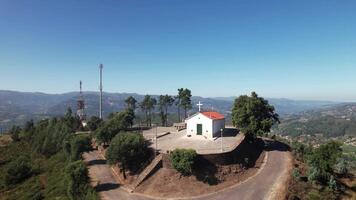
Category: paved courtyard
[230,140]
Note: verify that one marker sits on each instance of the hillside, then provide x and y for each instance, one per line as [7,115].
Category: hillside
[18,107]
[333,121]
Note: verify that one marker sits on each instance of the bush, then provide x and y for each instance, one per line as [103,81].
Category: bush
[79,145]
[341,167]
[323,159]
[17,171]
[296,174]
[183,160]
[77,175]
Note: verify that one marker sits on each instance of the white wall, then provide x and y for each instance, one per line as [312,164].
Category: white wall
[207,126]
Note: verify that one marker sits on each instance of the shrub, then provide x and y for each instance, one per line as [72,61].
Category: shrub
[79,145]
[341,167]
[183,160]
[17,171]
[296,174]
[77,175]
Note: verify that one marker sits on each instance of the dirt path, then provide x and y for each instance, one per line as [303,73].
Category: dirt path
[267,184]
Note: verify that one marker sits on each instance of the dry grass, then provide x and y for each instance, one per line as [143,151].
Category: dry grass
[5,140]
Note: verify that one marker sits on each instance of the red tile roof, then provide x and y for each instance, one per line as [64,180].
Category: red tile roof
[213,115]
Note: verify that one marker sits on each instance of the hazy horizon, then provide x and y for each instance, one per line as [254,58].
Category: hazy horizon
[213,97]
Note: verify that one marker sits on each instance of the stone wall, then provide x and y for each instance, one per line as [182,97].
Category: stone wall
[246,153]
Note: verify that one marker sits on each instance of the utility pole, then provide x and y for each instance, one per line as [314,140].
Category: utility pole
[156,142]
[101,92]
[221,135]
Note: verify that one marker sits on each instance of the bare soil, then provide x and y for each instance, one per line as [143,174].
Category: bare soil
[168,183]
[5,140]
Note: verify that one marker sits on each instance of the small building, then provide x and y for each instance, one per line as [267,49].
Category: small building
[206,125]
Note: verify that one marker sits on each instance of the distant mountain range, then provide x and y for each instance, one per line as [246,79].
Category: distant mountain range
[18,107]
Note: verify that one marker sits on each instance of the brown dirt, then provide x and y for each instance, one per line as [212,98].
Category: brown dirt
[5,140]
[168,183]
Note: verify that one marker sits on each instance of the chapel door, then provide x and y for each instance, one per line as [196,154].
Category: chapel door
[199,129]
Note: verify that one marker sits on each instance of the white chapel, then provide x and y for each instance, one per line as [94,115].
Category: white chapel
[206,125]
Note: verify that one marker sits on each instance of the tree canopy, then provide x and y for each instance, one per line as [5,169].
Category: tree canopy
[119,122]
[164,102]
[127,149]
[94,123]
[323,160]
[184,101]
[131,102]
[253,115]
[147,106]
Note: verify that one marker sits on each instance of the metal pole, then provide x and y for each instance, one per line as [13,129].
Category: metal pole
[156,142]
[101,92]
[221,135]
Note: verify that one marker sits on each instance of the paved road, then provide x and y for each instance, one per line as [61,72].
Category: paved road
[260,186]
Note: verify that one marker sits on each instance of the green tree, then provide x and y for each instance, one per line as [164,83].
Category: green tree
[323,159]
[147,106]
[183,160]
[79,145]
[119,122]
[131,102]
[77,176]
[17,171]
[94,123]
[15,133]
[253,115]
[164,102]
[186,101]
[72,121]
[179,102]
[127,149]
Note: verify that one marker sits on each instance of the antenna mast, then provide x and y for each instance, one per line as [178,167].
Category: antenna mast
[101,92]
[81,105]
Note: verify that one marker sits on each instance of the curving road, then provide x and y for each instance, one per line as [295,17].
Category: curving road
[268,183]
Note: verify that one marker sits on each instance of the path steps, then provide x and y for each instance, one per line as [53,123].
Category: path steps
[146,172]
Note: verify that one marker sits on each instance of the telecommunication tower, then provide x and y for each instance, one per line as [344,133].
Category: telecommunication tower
[81,105]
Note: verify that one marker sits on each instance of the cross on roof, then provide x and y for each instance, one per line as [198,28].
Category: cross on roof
[199,104]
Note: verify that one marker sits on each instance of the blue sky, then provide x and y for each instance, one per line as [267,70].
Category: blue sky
[292,49]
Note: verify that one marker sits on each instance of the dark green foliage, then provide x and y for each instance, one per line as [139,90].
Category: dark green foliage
[183,160]
[77,175]
[131,102]
[147,106]
[17,171]
[15,133]
[253,115]
[184,101]
[79,144]
[164,102]
[127,149]
[322,160]
[119,122]
[301,150]
[48,144]
[94,123]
